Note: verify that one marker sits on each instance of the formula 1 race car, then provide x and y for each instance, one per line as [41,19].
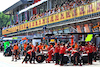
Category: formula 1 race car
[41,57]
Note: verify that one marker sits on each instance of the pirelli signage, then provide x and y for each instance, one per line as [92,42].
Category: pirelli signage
[62,16]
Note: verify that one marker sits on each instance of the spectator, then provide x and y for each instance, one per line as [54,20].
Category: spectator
[53,11]
[59,9]
[88,1]
[46,13]
[31,18]
[56,10]
[83,2]
[69,4]
[49,12]
[43,14]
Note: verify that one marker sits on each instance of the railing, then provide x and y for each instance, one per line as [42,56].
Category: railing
[79,13]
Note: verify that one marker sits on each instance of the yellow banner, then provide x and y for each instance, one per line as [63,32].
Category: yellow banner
[68,14]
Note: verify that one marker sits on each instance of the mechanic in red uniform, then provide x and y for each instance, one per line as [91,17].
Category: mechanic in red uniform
[49,47]
[39,48]
[75,54]
[31,45]
[83,51]
[46,46]
[56,51]
[36,47]
[50,52]
[33,55]
[70,49]
[28,56]
[94,52]
[82,48]
[62,52]
[89,50]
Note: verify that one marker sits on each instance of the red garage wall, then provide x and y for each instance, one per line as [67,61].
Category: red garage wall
[35,9]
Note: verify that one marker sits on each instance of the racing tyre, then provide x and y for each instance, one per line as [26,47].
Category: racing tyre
[40,58]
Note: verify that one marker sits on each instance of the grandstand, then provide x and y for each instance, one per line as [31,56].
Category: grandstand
[57,16]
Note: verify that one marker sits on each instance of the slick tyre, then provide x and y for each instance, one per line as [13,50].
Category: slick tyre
[40,58]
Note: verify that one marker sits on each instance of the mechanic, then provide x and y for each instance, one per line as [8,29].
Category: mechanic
[50,52]
[56,51]
[89,50]
[15,49]
[45,46]
[39,48]
[49,47]
[33,55]
[28,56]
[29,46]
[62,52]
[36,48]
[77,56]
[25,46]
[94,52]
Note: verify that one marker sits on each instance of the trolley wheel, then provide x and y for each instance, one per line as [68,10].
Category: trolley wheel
[40,58]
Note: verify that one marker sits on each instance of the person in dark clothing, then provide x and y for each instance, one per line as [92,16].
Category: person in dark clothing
[94,52]
[62,52]
[33,55]
[90,56]
[77,58]
[28,47]
[56,50]
[25,46]
[15,49]
[75,55]
[28,56]
[89,50]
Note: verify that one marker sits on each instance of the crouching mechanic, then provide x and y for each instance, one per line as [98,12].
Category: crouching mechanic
[77,57]
[30,56]
[50,52]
